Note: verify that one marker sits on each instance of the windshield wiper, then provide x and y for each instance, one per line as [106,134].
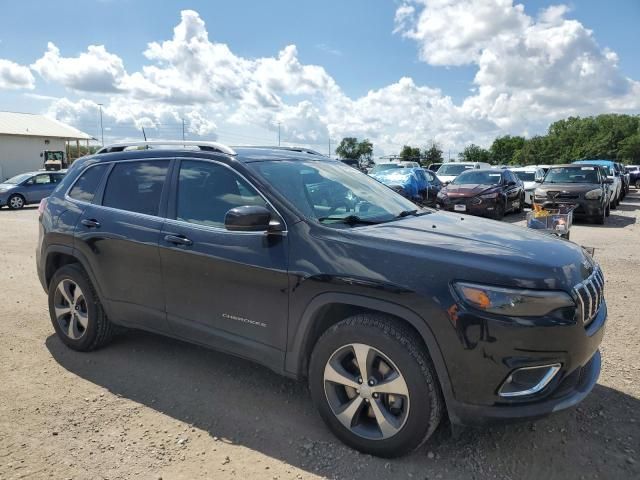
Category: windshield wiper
[350,220]
[406,213]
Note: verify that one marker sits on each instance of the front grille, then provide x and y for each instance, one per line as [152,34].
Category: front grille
[590,294]
[554,194]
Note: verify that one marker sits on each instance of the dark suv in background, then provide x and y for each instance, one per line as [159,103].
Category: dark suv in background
[582,185]
[397,316]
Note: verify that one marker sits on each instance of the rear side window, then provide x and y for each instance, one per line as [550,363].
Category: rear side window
[85,187]
[136,186]
[207,191]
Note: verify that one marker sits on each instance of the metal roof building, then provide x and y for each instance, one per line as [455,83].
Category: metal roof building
[23,137]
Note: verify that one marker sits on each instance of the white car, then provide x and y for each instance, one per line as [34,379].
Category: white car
[530,176]
[448,171]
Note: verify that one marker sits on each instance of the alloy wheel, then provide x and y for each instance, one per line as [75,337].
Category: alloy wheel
[366,391]
[16,202]
[70,308]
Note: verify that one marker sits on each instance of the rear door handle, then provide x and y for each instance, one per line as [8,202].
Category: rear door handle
[90,222]
[178,240]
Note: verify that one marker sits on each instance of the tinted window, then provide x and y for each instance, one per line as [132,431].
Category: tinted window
[86,185]
[453,169]
[526,176]
[57,177]
[207,191]
[136,186]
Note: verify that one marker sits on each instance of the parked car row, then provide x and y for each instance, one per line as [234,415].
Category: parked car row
[593,186]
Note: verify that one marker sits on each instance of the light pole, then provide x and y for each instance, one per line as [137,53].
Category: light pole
[101,128]
[278,133]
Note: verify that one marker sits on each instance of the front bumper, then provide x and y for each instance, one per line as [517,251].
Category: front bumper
[494,348]
[584,208]
[486,207]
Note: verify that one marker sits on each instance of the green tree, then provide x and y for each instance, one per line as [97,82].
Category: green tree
[351,148]
[433,154]
[630,149]
[410,154]
[474,153]
[503,149]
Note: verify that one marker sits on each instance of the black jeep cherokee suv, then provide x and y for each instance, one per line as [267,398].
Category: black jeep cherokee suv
[397,316]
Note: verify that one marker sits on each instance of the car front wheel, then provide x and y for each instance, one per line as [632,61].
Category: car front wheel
[374,385]
[15,202]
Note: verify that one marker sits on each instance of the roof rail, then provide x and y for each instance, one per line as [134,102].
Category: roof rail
[204,146]
[291,149]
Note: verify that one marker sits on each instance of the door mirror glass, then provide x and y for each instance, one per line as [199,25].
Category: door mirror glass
[248,218]
[511,183]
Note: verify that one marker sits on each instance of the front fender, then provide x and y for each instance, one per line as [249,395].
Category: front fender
[295,356]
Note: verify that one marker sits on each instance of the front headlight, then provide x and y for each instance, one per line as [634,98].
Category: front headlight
[593,194]
[490,195]
[514,302]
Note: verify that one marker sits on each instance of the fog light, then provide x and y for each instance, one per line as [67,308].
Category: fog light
[528,380]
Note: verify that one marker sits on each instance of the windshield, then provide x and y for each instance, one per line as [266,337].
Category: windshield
[451,169]
[384,166]
[321,189]
[632,169]
[572,175]
[526,176]
[18,179]
[473,177]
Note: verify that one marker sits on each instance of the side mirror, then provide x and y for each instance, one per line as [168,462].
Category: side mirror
[608,181]
[538,180]
[510,183]
[250,218]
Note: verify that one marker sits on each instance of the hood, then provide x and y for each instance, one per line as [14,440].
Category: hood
[568,187]
[7,186]
[475,249]
[471,190]
[446,178]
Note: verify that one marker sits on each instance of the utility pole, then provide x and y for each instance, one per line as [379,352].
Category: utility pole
[183,129]
[278,133]
[101,127]
[329,147]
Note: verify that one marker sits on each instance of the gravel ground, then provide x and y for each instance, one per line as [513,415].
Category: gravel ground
[151,407]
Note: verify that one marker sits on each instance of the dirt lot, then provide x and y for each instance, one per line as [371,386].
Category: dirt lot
[150,407]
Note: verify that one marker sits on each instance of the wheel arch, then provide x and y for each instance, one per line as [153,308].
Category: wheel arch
[330,308]
[57,256]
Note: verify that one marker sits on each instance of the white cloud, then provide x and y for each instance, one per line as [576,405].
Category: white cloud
[14,76]
[529,71]
[95,70]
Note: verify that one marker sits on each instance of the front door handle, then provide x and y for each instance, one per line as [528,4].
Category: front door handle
[90,222]
[178,240]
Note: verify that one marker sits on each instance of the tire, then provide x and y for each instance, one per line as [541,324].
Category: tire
[599,219]
[498,213]
[90,329]
[608,209]
[614,204]
[15,201]
[520,208]
[638,184]
[395,349]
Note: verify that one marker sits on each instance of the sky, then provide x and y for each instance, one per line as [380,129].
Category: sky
[397,72]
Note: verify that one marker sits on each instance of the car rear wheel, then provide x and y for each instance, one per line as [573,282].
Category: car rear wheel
[76,311]
[15,202]
[374,385]
[638,183]
[608,209]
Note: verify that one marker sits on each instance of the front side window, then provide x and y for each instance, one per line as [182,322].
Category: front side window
[327,191]
[207,191]
[136,186]
[42,179]
[85,187]
[526,176]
